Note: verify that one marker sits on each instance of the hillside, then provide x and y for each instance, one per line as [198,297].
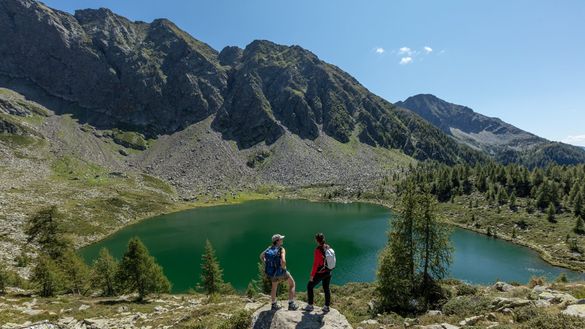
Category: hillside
[505,142]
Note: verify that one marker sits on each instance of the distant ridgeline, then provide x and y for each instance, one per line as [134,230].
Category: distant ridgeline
[505,142]
[155,79]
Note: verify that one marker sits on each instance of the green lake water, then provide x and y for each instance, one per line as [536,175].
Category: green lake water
[356,231]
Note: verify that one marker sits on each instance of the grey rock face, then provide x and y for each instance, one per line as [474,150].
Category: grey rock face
[155,79]
[151,77]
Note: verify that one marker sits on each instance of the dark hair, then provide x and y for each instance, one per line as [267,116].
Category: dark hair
[320,238]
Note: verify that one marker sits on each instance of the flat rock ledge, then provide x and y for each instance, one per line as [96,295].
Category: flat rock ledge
[264,318]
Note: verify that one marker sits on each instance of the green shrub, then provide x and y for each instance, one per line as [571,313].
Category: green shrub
[467,306]
[240,320]
[554,321]
[466,289]
[524,314]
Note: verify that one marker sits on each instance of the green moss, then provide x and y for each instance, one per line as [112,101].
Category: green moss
[130,139]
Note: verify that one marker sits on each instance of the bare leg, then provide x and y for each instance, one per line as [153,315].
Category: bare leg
[273,291]
[291,288]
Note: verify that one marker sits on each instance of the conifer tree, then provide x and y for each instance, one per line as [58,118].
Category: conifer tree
[579,226]
[76,273]
[3,277]
[139,272]
[435,248]
[550,213]
[211,272]
[45,229]
[104,272]
[578,208]
[47,276]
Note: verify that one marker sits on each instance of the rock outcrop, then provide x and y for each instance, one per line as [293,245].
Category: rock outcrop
[264,318]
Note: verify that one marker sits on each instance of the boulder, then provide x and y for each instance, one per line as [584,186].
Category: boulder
[501,303]
[265,318]
[471,320]
[503,286]
[575,310]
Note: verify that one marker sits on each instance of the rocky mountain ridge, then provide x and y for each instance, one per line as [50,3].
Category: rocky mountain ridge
[505,142]
[155,79]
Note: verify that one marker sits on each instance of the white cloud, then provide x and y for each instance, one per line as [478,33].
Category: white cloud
[405,60]
[428,49]
[379,50]
[575,140]
[405,51]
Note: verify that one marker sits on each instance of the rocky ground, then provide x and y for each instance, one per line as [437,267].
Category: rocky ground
[502,305]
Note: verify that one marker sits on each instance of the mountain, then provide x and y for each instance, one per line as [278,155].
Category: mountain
[155,79]
[501,140]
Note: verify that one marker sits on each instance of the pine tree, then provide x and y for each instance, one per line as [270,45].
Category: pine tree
[550,213]
[44,229]
[435,247]
[251,290]
[513,206]
[3,277]
[418,253]
[578,207]
[76,273]
[211,272]
[396,269]
[139,272]
[579,226]
[104,272]
[47,276]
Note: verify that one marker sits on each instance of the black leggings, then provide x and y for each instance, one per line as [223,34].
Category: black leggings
[326,278]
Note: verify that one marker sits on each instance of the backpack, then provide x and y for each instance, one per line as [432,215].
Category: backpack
[329,258]
[272,264]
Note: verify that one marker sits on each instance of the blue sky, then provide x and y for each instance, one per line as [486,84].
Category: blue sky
[522,61]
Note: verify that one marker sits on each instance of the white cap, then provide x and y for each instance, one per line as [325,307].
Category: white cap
[277,237]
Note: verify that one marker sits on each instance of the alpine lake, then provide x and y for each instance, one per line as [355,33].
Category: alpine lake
[357,232]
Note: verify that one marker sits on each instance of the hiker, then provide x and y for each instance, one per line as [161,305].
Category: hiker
[323,264]
[274,259]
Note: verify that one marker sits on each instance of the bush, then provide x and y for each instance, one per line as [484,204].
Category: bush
[467,306]
[240,320]
[466,289]
[524,314]
[536,281]
[554,321]
[562,278]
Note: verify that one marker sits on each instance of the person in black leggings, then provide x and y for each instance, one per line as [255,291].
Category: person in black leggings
[319,274]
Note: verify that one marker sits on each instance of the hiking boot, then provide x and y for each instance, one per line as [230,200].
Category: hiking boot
[309,308]
[325,309]
[275,307]
[292,306]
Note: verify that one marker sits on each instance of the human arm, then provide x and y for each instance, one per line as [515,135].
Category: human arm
[262,256]
[317,262]
[283,258]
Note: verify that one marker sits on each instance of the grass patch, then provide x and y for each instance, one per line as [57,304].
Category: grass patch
[157,183]
[129,139]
